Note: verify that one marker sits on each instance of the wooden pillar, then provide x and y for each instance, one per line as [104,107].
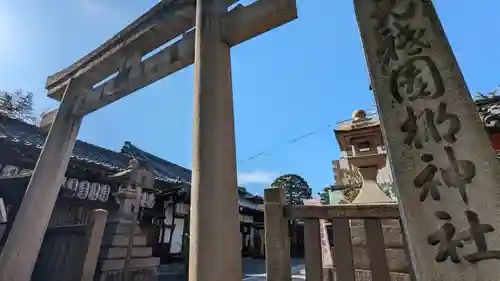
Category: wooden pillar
[277,240]
[214,228]
[252,237]
[446,173]
[20,253]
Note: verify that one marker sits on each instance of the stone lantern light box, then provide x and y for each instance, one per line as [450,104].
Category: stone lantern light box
[360,141]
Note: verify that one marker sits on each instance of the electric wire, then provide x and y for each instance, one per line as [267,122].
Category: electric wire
[372,113]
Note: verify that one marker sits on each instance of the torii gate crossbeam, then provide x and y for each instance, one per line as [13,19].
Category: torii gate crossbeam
[214,159]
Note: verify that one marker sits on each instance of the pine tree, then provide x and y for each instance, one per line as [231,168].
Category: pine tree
[17,105]
[296,188]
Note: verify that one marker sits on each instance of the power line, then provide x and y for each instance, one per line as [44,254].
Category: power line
[291,141]
[372,112]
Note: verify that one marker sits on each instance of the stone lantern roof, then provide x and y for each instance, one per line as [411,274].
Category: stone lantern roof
[360,128]
[359,121]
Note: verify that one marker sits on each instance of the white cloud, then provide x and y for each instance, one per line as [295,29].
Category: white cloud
[256,177]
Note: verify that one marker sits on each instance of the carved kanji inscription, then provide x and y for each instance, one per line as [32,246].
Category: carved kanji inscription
[458,174]
[448,241]
[444,238]
[425,179]
[476,232]
[417,78]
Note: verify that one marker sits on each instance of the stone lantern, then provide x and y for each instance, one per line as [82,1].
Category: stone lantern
[125,254]
[361,144]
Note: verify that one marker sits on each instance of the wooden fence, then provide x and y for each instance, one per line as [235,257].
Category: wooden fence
[71,245]
[278,261]
[70,252]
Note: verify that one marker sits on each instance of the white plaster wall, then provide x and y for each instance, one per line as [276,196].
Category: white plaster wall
[176,245]
[169,213]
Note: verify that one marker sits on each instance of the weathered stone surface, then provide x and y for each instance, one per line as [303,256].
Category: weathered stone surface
[365,275]
[107,265]
[445,169]
[123,240]
[396,259]
[20,251]
[370,191]
[121,228]
[392,236]
[142,274]
[121,252]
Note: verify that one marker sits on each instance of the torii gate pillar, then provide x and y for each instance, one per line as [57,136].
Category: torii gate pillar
[214,247]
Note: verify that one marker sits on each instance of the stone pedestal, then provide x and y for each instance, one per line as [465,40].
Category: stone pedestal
[124,255]
[118,258]
[395,253]
[370,192]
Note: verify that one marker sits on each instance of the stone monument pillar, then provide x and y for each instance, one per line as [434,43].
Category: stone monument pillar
[360,139]
[446,172]
[124,255]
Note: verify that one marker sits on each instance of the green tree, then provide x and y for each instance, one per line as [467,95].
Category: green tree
[296,188]
[489,95]
[17,105]
[324,195]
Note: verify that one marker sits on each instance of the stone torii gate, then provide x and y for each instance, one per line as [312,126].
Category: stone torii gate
[214,215]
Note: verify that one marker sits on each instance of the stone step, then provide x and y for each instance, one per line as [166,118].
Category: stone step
[123,240]
[119,264]
[393,237]
[366,275]
[121,228]
[396,259]
[121,252]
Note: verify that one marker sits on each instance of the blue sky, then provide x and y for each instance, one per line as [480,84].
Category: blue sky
[294,80]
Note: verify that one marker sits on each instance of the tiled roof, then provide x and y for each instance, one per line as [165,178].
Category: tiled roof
[162,166]
[21,133]
[489,112]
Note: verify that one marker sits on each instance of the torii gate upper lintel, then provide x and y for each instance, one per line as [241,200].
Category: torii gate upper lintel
[123,53]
